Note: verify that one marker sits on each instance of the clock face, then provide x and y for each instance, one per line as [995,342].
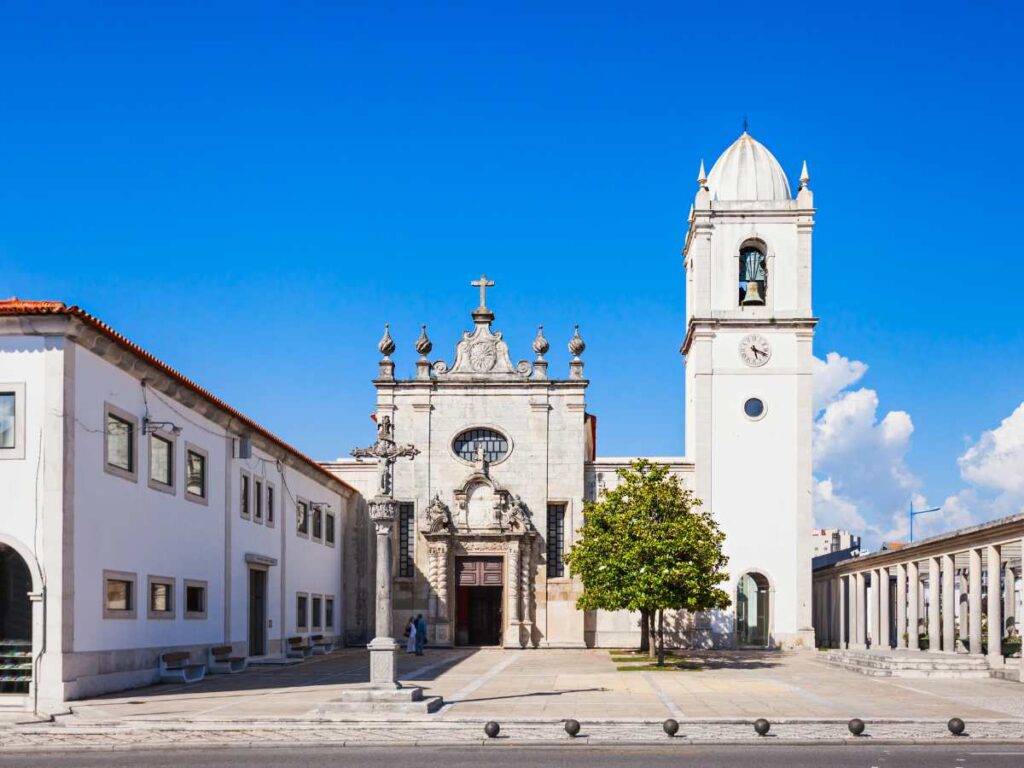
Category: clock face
[755,350]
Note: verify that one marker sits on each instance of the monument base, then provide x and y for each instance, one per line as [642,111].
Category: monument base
[383,664]
[360,703]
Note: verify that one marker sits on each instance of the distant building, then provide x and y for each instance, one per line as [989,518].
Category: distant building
[825,541]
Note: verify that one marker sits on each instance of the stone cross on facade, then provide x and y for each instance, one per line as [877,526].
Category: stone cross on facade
[483,284]
[382,509]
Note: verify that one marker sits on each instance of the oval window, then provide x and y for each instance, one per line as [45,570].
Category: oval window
[468,444]
[754,408]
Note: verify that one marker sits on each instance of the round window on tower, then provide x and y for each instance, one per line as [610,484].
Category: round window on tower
[470,444]
[754,408]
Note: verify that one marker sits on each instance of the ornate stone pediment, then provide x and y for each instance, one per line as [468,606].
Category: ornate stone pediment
[482,353]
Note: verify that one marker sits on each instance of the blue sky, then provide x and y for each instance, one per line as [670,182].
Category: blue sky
[250,191]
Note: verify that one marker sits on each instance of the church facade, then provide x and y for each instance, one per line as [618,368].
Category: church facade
[495,497]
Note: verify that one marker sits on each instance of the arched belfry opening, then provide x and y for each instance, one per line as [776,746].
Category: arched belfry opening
[15,623]
[753,611]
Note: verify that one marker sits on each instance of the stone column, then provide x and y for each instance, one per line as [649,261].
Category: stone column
[383,646]
[913,587]
[860,607]
[514,616]
[841,620]
[884,620]
[948,605]
[995,604]
[876,609]
[526,588]
[934,590]
[439,592]
[901,605]
[974,599]
[1009,609]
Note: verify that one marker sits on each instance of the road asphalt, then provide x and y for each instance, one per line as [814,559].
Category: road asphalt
[866,756]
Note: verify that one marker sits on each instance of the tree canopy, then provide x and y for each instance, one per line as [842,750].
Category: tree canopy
[647,545]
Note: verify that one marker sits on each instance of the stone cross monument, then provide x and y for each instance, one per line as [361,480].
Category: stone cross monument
[383,508]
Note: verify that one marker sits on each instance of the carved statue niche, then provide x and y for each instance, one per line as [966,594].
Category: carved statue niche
[438,516]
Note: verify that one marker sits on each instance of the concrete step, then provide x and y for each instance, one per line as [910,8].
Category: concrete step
[908,664]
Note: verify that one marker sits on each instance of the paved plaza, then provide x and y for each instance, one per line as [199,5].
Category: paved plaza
[531,693]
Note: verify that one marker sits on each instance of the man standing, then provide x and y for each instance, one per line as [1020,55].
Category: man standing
[421,634]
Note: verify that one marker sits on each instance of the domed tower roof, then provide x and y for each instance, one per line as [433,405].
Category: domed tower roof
[747,171]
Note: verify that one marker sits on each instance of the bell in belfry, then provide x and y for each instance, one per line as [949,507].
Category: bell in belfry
[753,294]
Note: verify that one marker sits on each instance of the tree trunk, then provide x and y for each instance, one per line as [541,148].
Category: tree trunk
[661,637]
[645,635]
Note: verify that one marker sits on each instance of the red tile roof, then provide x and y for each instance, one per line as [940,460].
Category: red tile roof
[16,306]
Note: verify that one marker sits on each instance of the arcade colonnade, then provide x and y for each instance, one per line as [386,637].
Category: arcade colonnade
[962,592]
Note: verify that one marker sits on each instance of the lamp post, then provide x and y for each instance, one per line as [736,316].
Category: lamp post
[914,514]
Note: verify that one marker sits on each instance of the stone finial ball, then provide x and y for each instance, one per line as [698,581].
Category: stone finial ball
[856,726]
[956,726]
[671,727]
[762,726]
[492,729]
[572,727]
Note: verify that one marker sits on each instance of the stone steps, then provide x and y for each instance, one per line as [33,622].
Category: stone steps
[883,664]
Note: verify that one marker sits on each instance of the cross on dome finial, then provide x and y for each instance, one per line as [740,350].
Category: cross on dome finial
[745,126]
[483,284]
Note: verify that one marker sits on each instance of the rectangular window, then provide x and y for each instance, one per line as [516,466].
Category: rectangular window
[161,461]
[270,504]
[195,473]
[195,599]
[244,495]
[302,518]
[119,447]
[406,537]
[118,595]
[8,403]
[317,606]
[556,540]
[161,597]
[301,620]
[328,613]
[329,528]
[318,522]
[257,498]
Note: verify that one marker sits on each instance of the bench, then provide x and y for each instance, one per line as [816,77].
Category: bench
[297,648]
[177,668]
[319,646]
[221,662]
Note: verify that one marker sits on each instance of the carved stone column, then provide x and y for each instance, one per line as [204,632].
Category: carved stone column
[439,591]
[513,579]
[383,646]
[526,590]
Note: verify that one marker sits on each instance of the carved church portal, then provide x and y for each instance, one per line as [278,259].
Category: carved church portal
[478,613]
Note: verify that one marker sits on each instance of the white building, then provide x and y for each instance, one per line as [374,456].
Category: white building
[140,514]
[507,461]
[825,541]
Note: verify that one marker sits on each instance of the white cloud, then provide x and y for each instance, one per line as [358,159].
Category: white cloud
[832,375]
[996,461]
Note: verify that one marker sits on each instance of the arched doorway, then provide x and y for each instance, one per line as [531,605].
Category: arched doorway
[15,623]
[753,607]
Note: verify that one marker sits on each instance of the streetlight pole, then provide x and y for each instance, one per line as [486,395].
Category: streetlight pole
[914,514]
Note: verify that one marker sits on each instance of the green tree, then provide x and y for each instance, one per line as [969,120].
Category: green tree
[648,546]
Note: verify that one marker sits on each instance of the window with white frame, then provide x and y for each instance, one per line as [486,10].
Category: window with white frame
[119,446]
[161,462]
[119,595]
[161,597]
[318,522]
[195,473]
[317,602]
[244,498]
[12,421]
[257,500]
[271,500]
[195,599]
[302,518]
[301,612]
[329,529]
[328,613]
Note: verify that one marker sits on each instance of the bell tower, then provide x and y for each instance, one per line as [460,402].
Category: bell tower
[748,352]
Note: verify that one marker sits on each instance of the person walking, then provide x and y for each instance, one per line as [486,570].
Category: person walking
[421,634]
[410,636]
